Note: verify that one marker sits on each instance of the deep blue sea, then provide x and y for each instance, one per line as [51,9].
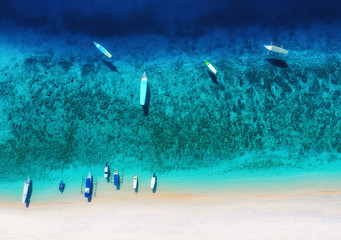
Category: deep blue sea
[263,119]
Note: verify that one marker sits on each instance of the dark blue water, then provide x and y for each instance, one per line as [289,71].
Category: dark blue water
[174,18]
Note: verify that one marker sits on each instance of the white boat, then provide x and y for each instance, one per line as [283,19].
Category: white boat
[103,50]
[277,49]
[152,183]
[209,65]
[143,89]
[106,171]
[87,186]
[25,192]
[135,182]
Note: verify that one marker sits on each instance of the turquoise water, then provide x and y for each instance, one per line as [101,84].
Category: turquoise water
[67,109]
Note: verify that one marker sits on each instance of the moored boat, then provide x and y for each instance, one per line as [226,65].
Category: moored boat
[87,190]
[135,182]
[278,49]
[210,66]
[61,186]
[143,89]
[106,171]
[25,192]
[116,178]
[152,183]
[103,50]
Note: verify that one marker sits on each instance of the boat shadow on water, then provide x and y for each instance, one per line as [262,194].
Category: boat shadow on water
[111,66]
[29,194]
[118,186]
[147,102]
[277,62]
[212,76]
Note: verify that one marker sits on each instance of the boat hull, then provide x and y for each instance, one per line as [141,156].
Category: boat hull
[87,189]
[152,183]
[143,89]
[210,66]
[25,191]
[116,179]
[135,183]
[103,50]
[276,49]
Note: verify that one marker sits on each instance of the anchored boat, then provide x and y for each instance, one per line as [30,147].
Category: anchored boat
[87,186]
[152,183]
[135,182]
[273,47]
[103,50]
[209,65]
[143,89]
[25,192]
[61,186]
[116,178]
[106,171]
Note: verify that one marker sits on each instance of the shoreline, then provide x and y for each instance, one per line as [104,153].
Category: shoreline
[181,216]
[197,182]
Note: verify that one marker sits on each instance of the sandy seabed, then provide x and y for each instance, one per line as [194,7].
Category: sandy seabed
[175,216]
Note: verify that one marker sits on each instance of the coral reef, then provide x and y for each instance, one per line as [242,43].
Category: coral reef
[60,109]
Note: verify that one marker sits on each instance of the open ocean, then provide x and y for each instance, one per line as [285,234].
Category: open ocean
[263,122]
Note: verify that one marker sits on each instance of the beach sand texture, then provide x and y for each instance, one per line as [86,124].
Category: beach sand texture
[175,216]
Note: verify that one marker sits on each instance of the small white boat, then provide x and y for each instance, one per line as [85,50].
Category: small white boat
[152,183]
[87,186]
[209,65]
[135,182]
[143,89]
[277,49]
[106,171]
[25,192]
[103,50]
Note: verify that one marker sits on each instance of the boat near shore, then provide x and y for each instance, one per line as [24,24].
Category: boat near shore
[87,190]
[25,192]
[135,182]
[116,178]
[106,171]
[61,186]
[152,182]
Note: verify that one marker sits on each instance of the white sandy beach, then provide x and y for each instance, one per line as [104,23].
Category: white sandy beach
[174,216]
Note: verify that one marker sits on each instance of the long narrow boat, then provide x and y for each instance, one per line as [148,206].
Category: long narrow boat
[210,66]
[106,171]
[277,49]
[103,50]
[143,89]
[135,182]
[152,182]
[25,192]
[116,178]
[88,186]
[61,186]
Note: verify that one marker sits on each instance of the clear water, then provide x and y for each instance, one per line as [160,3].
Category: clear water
[267,122]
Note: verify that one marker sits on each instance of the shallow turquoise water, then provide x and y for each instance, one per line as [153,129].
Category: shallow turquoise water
[66,109]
